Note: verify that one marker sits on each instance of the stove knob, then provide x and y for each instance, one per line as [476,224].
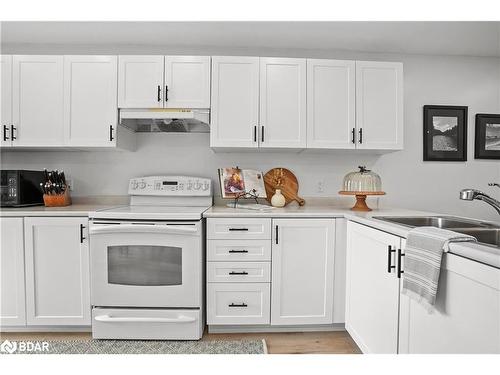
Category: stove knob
[197,185]
[206,185]
[134,185]
[142,185]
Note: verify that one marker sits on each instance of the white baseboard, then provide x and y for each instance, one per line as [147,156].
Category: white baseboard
[46,329]
[269,329]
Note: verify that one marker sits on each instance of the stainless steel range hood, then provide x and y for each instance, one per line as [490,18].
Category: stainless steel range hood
[166,120]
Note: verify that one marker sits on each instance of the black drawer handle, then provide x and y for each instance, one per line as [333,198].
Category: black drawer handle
[82,227]
[238,229]
[255,133]
[111,133]
[400,256]
[238,273]
[166,93]
[353,132]
[238,251]
[360,135]
[12,134]
[5,130]
[159,93]
[238,305]
[390,250]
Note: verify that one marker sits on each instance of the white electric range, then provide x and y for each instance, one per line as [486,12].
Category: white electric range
[147,261]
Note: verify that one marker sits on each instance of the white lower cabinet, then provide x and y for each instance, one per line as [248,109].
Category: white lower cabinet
[466,318]
[12,305]
[372,289]
[302,271]
[57,271]
[270,272]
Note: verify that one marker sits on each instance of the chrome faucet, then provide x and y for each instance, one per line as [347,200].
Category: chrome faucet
[471,194]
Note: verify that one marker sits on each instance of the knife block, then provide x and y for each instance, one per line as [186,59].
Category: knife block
[59,200]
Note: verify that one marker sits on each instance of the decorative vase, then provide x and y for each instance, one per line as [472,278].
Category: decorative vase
[278,199]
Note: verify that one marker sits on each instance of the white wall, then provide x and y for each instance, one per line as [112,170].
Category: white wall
[409,182]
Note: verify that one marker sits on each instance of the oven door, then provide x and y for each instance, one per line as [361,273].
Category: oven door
[138,264]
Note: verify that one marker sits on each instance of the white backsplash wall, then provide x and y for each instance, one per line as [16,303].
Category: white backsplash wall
[408,181]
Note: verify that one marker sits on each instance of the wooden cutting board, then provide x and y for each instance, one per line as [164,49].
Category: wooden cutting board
[284,179]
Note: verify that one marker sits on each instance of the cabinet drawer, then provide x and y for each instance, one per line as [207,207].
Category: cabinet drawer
[249,272]
[238,303]
[241,228]
[238,250]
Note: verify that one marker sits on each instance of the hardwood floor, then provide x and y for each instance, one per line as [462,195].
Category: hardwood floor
[277,343]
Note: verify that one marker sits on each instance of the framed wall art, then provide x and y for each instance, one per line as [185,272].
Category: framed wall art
[487,141]
[445,133]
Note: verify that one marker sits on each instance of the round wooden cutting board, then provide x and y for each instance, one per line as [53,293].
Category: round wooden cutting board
[284,179]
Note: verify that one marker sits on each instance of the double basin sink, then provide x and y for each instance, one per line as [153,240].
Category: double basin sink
[486,233]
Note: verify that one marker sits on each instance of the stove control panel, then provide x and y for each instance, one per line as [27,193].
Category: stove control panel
[170,186]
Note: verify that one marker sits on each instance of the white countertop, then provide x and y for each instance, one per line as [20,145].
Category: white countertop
[330,209]
[81,209]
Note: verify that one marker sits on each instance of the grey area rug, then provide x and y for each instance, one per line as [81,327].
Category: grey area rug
[148,347]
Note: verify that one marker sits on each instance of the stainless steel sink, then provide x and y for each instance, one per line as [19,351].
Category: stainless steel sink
[486,233]
[445,222]
[487,236]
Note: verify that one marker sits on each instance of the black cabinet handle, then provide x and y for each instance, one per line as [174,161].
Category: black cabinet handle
[255,133]
[238,305]
[5,130]
[82,227]
[111,133]
[238,251]
[353,132]
[390,250]
[238,273]
[262,134]
[12,134]
[159,93]
[166,93]
[361,135]
[238,229]
[400,256]
[276,236]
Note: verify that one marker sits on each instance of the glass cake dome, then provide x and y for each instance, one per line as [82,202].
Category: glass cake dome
[363,180]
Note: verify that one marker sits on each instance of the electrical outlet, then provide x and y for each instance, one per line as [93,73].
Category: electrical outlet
[71,183]
[320,187]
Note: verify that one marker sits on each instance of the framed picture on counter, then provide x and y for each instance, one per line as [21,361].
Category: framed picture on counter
[487,141]
[445,133]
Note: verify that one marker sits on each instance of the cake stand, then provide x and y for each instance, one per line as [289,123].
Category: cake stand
[361,198]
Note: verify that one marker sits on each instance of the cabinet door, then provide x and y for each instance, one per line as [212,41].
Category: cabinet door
[372,293]
[57,271]
[187,82]
[331,104]
[235,102]
[6,99]
[465,319]
[12,306]
[283,102]
[90,111]
[379,105]
[38,100]
[302,271]
[140,81]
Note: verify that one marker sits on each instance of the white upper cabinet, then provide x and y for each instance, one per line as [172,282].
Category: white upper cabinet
[379,105]
[283,103]
[331,106]
[187,82]
[302,271]
[235,102]
[140,81]
[372,289]
[38,101]
[57,271]
[12,305]
[90,113]
[6,99]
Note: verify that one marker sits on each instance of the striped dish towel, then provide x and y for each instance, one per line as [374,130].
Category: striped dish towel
[422,264]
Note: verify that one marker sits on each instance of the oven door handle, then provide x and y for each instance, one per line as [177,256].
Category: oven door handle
[140,228]
[133,319]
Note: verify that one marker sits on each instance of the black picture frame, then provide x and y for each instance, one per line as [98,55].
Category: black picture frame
[445,133]
[481,149]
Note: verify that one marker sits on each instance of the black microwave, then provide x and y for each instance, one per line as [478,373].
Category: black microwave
[21,188]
